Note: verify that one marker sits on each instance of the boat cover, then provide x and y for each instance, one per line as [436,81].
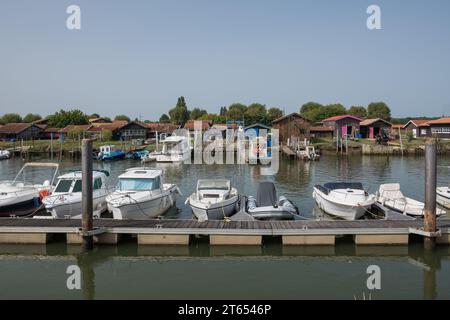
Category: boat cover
[266,195]
[343,185]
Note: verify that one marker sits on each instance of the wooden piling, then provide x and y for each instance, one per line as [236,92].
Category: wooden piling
[430,193]
[87,195]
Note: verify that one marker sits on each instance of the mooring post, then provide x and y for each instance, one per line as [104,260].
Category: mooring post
[86,193]
[430,192]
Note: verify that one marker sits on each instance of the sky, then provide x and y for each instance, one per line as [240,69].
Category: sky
[137,57]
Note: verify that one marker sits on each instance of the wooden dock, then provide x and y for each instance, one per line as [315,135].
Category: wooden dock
[181,232]
[288,152]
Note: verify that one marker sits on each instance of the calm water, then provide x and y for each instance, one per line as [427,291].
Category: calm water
[271,271]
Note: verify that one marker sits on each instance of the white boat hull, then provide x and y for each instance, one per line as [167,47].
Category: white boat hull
[173,157]
[72,209]
[143,209]
[340,210]
[216,211]
[443,197]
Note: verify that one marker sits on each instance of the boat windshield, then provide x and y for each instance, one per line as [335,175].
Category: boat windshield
[343,185]
[213,184]
[63,186]
[133,184]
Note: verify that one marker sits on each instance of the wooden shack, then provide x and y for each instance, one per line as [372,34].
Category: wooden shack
[292,127]
[19,131]
[343,126]
[371,128]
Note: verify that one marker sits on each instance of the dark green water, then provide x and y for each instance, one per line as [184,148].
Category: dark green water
[272,271]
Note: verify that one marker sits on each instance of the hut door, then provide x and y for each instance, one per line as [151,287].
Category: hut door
[371,132]
[344,131]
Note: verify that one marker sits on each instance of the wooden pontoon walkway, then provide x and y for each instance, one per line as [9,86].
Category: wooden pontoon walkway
[311,232]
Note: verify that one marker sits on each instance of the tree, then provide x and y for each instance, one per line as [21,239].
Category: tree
[316,112]
[94,116]
[379,110]
[223,111]
[310,109]
[197,113]
[180,113]
[122,117]
[331,110]
[64,118]
[164,118]
[255,113]
[11,118]
[75,134]
[274,113]
[30,117]
[107,135]
[357,111]
[236,111]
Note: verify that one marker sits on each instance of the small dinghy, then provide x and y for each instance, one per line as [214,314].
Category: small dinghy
[65,200]
[214,199]
[345,200]
[443,196]
[390,196]
[141,194]
[137,154]
[266,205]
[21,197]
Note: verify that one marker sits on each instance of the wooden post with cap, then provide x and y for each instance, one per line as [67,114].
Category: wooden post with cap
[87,194]
[429,219]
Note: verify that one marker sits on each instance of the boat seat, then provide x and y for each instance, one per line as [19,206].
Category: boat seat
[391,191]
[266,195]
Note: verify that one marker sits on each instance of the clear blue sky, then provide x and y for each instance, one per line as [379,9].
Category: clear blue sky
[137,57]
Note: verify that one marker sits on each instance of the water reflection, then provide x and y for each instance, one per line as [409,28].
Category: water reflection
[164,271]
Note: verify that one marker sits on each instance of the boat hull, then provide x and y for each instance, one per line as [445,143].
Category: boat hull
[145,209]
[217,211]
[73,210]
[270,213]
[443,197]
[20,209]
[347,212]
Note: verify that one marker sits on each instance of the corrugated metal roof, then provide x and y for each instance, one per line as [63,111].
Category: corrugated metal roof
[445,120]
[336,118]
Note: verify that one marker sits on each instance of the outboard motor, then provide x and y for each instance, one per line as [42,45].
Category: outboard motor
[251,203]
[285,203]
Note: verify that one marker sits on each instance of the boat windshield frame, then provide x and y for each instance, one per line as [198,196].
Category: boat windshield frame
[214,184]
[154,186]
[343,185]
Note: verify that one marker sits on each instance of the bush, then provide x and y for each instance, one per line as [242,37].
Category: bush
[75,134]
[107,135]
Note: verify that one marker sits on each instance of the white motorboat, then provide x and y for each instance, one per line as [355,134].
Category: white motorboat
[141,194]
[346,200]
[174,149]
[22,197]
[267,206]
[214,199]
[65,200]
[390,196]
[443,196]
[4,154]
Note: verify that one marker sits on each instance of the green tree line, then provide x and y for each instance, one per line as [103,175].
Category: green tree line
[317,112]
